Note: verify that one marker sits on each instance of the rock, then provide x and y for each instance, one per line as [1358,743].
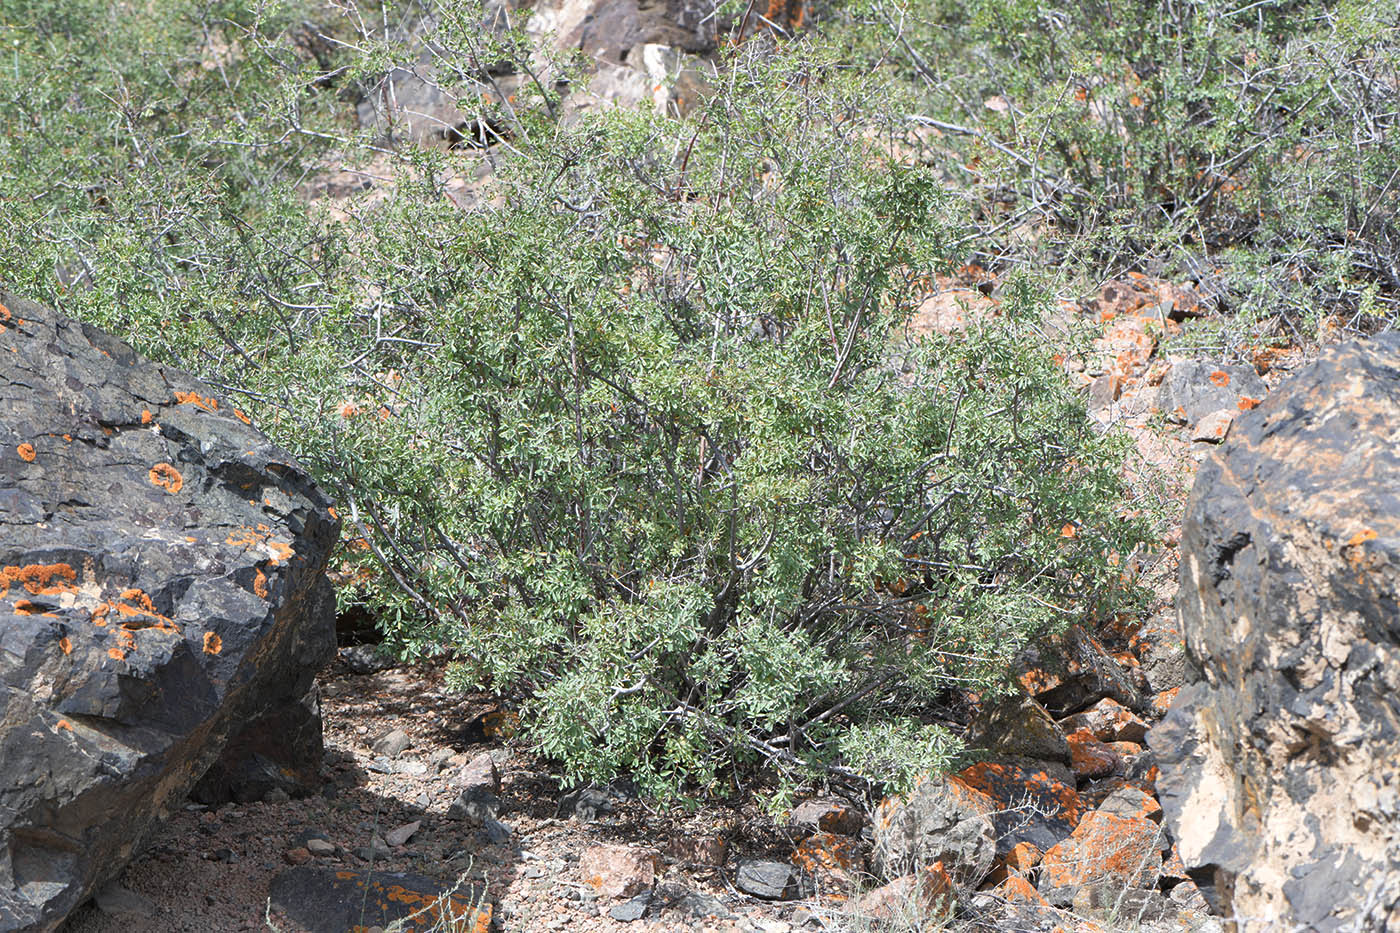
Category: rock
[163,608]
[1280,758]
[377,851]
[689,903]
[1131,803]
[1105,390]
[772,881]
[475,803]
[322,848]
[617,870]
[1187,895]
[1108,721]
[326,901]
[1161,652]
[699,850]
[1018,725]
[1128,908]
[1091,758]
[480,773]
[1103,849]
[1027,804]
[116,901]
[1212,428]
[833,862]
[586,803]
[400,835]
[1017,890]
[941,820]
[365,659]
[827,815]
[632,910]
[299,855]
[391,744]
[928,892]
[1074,671]
[1194,389]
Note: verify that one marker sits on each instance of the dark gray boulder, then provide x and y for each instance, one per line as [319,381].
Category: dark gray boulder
[1280,759]
[1194,389]
[162,600]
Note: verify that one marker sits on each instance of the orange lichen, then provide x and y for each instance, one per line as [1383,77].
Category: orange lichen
[26,608]
[333,513]
[242,417]
[26,452]
[1220,377]
[65,645]
[145,416]
[260,584]
[1246,403]
[143,614]
[5,313]
[116,654]
[213,644]
[1361,537]
[38,579]
[63,724]
[167,477]
[1069,530]
[194,398]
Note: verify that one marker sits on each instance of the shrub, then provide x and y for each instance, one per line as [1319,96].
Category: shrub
[644,440]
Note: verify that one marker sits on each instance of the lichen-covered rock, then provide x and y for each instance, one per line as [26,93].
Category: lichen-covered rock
[162,589]
[941,820]
[1104,849]
[1280,759]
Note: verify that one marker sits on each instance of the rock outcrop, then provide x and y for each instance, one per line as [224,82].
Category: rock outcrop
[162,592]
[1280,758]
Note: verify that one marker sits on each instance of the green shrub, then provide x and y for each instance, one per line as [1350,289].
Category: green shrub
[1259,138]
[644,441]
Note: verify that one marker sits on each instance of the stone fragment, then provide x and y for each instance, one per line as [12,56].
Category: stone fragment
[164,608]
[480,772]
[1280,757]
[941,820]
[114,900]
[699,850]
[1091,758]
[323,900]
[1212,428]
[322,848]
[1025,804]
[1195,389]
[391,744]
[772,881]
[632,910]
[365,659]
[1103,849]
[926,893]
[401,834]
[618,871]
[1132,803]
[833,862]
[1017,890]
[827,815]
[1018,725]
[1108,721]
[1073,671]
[299,855]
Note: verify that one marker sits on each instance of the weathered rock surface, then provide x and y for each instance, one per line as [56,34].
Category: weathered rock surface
[162,589]
[328,901]
[1194,390]
[940,820]
[1280,758]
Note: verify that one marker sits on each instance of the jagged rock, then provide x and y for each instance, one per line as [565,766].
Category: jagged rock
[1280,759]
[928,892]
[163,590]
[324,900]
[617,870]
[827,815]
[1119,852]
[1075,671]
[1026,803]
[1195,389]
[940,820]
[1018,725]
[1108,721]
[772,881]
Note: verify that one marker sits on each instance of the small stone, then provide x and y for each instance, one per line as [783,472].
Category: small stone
[928,891]
[365,659]
[634,909]
[1090,757]
[1213,428]
[320,847]
[827,815]
[770,880]
[276,795]
[297,856]
[480,772]
[400,835]
[617,870]
[411,767]
[392,743]
[699,850]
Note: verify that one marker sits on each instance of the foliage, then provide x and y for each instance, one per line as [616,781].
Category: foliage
[1256,139]
[643,438]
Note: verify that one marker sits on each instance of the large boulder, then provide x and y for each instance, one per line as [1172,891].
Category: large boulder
[162,591]
[1280,759]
